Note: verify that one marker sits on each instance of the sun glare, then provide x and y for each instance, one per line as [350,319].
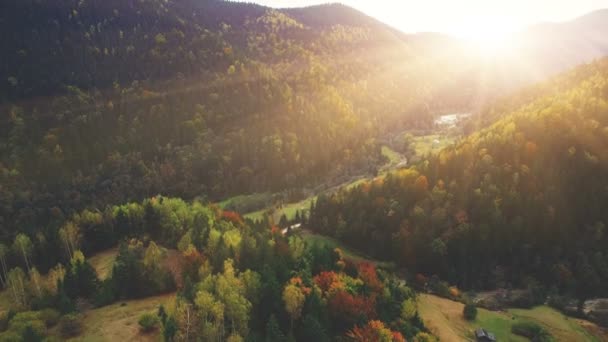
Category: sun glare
[488,37]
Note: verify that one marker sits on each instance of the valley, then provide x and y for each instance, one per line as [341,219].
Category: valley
[224,171]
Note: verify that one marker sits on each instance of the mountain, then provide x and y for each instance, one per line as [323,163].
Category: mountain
[117,100]
[517,204]
[555,47]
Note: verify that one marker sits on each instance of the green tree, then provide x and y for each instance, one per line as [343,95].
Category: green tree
[294,301]
[231,292]
[408,309]
[4,268]
[469,312]
[211,312]
[312,330]
[70,236]
[162,314]
[23,245]
[16,281]
[170,329]
[273,331]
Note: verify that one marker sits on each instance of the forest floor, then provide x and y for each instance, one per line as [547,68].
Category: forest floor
[444,318]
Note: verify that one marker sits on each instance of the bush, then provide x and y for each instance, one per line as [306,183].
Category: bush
[469,312]
[169,329]
[70,325]
[4,321]
[106,293]
[10,336]
[27,321]
[31,334]
[148,322]
[50,317]
[532,331]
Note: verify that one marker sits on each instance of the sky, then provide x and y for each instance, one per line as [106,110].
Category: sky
[464,18]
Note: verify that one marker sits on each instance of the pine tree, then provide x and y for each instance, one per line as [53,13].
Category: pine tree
[273,331]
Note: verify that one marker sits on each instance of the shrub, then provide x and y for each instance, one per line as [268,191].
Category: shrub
[50,317]
[169,329]
[31,334]
[10,336]
[4,321]
[469,312]
[532,331]
[425,337]
[27,320]
[70,325]
[148,322]
[454,292]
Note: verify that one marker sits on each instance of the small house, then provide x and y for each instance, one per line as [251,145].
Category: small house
[482,335]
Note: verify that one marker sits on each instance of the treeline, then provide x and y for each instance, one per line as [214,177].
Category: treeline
[518,204]
[236,281]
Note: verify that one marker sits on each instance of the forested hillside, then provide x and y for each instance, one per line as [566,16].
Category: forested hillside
[109,101]
[518,204]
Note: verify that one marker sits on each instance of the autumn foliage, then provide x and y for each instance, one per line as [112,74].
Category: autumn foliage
[324,280]
[350,308]
[233,217]
[367,273]
[375,331]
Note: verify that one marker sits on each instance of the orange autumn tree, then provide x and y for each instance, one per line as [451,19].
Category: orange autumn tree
[325,279]
[233,217]
[374,331]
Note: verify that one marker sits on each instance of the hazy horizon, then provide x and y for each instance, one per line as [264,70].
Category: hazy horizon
[458,18]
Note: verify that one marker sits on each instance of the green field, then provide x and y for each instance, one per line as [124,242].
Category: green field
[393,157]
[444,318]
[247,202]
[313,238]
[288,209]
[426,144]
[118,322]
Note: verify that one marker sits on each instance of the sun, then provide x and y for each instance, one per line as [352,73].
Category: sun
[487,37]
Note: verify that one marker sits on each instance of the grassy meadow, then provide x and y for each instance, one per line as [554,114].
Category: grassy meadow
[444,318]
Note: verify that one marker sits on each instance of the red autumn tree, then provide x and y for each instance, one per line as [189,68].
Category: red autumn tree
[233,217]
[325,279]
[367,273]
[398,337]
[348,309]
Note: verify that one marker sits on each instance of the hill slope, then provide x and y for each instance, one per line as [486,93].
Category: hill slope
[564,45]
[518,203]
[114,100]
